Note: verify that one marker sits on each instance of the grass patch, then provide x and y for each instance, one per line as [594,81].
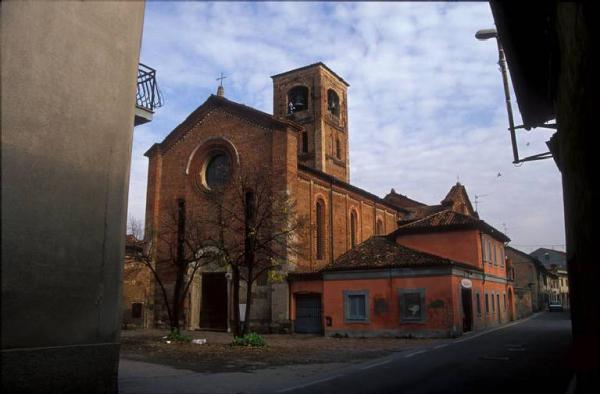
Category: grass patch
[251,339]
[176,336]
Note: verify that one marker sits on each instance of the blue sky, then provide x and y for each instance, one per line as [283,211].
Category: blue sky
[426,105]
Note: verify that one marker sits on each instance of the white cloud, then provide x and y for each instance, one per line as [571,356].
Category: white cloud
[425,103]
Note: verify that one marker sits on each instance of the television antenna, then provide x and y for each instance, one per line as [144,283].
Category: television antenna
[477,200]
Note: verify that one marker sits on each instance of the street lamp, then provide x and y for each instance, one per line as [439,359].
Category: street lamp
[486,34]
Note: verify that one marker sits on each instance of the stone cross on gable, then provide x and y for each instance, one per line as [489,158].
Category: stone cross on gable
[220,90]
[221,78]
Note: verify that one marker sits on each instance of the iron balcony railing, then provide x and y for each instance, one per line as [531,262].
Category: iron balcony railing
[148,95]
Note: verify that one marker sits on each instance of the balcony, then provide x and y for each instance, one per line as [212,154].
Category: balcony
[148,97]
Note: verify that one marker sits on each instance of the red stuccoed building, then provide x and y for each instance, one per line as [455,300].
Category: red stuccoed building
[439,275]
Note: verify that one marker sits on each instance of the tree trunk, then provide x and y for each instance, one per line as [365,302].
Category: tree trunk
[181,266]
[235,277]
[177,300]
[248,306]
[249,257]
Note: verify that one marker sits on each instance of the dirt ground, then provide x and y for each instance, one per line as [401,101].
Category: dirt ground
[217,355]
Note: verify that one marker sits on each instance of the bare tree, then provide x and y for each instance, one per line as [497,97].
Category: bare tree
[177,248]
[135,228]
[256,229]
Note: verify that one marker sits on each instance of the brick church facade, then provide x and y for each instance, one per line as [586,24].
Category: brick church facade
[305,144]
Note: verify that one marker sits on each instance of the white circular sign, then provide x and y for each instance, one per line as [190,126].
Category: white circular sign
[466,283]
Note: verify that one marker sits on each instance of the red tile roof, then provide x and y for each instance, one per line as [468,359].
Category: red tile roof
[383,252]
[448,220]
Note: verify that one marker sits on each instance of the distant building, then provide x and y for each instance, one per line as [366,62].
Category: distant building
[558,287]
[551,258]
[137,302]
[555,261]
[532,284]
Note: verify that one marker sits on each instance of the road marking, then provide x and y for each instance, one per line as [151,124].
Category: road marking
[441,346]
[471,337]
[376,364]
[310,383]
[414,353]
[514,323]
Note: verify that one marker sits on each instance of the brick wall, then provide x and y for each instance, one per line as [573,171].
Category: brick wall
[339,202]
[322,128]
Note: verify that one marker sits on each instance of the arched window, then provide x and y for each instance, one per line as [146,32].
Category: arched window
[498,302]
[320,227]
[333,102]
[297,99]
[353,227]
[379,227]
[338,148]
[217,170]
[487,303]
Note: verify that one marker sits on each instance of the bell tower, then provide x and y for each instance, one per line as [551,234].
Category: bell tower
[316,97]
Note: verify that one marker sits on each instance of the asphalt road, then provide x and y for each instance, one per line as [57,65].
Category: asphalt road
[523,356]
[529,355]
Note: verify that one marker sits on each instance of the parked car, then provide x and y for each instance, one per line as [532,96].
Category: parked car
[555,308]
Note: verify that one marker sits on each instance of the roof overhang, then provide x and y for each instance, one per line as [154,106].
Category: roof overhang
[528,36]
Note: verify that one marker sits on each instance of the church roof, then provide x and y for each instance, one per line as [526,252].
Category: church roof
[335,181]
[458,195]
[456,200]
[384,252]
[243,111]
[401,200]
[448,220]
[321,64]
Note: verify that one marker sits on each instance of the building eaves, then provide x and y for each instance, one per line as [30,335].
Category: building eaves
[402,201]
[528,37]
[321,64]
[521,253]
[336,182]
[449,220]
[216,102]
